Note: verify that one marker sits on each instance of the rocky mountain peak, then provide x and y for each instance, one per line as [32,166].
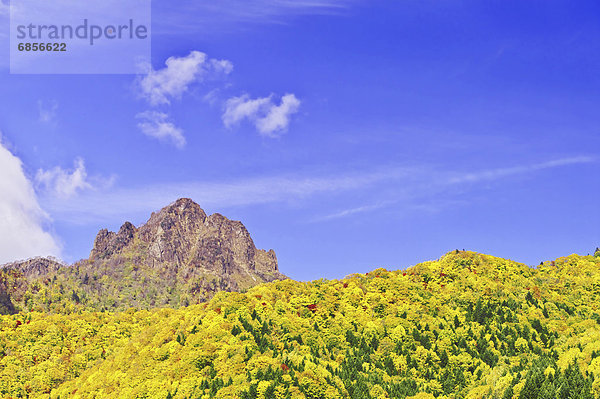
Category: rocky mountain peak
[108,243]
[180,256]
[182,209]
[183,233]
[182,243]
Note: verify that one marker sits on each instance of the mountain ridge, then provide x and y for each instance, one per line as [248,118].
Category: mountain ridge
[179,256]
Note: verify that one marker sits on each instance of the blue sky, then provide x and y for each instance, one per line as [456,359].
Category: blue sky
[346,135]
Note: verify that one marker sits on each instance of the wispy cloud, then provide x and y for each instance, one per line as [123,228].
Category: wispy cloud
[156,124]
[494,174]
[352,211]
[409,186]
[162,85]
[269,118]
[440,182]
[47,111]
[213,97]
[196,16]
[124,202]
[67,183]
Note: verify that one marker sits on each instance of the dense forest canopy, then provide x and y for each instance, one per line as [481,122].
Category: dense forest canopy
[464,326]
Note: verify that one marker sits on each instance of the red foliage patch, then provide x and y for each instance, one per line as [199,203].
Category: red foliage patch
[284,367]
[18,323]
[312,307]
[404,274]
[264,304]
[218,310]
[345,285]
[259,297]
[442,274]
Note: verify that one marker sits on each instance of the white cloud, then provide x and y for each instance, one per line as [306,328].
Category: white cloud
[47,111]
[160,86]
[22,220]
[155,124]
[64,183]
[278,117]
[268,118]
[239,108]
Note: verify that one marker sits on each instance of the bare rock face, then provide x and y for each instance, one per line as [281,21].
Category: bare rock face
[183,234]
[186,247]
[35,267]
[181,256]
[108,243]
[172,232]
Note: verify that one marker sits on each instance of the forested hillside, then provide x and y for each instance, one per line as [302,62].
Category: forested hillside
[465,326]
